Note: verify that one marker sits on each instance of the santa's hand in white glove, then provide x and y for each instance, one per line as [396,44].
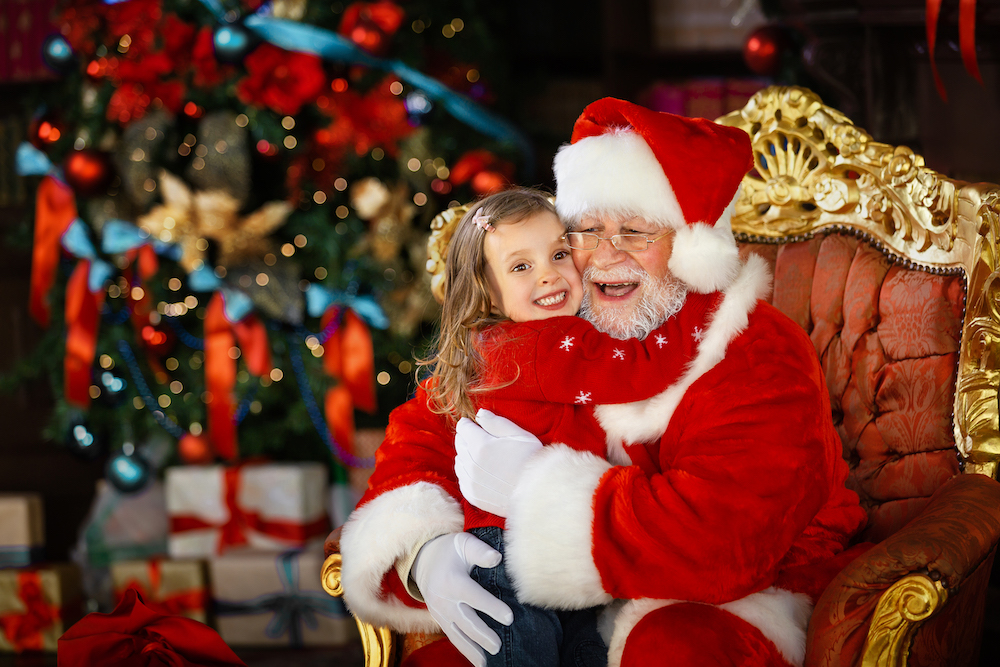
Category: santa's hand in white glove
[489,458]
[441,572]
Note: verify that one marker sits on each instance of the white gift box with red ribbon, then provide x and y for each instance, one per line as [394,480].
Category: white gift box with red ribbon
[266,506]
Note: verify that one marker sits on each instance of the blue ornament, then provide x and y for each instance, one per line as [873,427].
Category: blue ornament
[127,471]
[82,441]
[232,43]
[58,55]
[112,387]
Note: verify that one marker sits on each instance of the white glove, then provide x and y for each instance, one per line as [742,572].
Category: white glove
[441,572]
[489,459]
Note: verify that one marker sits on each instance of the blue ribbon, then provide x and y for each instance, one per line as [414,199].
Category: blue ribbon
[203,279]
[119,236]
[77,242]
[29,161]
[319,298]
[236,304]
[291,607]
[304,38]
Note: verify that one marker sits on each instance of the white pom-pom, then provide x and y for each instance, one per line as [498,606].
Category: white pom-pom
[705,258]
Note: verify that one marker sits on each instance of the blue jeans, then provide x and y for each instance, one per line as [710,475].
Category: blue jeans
[538,637]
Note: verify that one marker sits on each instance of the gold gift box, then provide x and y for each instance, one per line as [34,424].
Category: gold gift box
[22,529]
[173,587]
[37,604]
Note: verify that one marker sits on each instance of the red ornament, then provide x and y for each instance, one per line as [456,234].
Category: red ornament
[88,171]
[487,182]
[46,131]
[484,171]
[764,49]
[195,449]
[371,24]
[158,341]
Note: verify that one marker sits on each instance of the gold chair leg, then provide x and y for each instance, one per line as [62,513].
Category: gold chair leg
[378,644]
[902,609]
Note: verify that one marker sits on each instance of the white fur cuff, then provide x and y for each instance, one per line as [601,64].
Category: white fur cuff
[379,533]
[549,538]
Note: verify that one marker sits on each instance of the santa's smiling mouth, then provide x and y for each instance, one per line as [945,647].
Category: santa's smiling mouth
[551,300]
[616,289]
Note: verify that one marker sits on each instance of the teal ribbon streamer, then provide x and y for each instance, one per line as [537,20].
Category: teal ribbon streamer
[291,607]
[236,304]
[319,298]
[304,38]
[119,236]
[29,161]
[77,242]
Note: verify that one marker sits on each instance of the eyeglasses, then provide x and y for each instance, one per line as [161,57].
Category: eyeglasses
[623,242]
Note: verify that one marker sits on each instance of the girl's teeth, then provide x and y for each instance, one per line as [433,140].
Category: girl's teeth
[551,300]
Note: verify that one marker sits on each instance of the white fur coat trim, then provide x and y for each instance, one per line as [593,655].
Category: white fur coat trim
[780,615]
[380,532]
[550,526]
[647,420]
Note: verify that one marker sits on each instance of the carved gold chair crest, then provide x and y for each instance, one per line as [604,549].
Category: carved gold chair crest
[817,177]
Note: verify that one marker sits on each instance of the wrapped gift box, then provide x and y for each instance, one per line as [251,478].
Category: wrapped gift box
[37,604]
[273,506]
[22,529]
[172,587]
[266,599]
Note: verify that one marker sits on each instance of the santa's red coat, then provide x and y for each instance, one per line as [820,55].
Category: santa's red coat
[726,489]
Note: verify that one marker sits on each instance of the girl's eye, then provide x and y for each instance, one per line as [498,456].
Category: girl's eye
[519,267]
[561,254]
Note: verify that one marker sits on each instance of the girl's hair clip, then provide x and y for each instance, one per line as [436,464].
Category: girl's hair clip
[483,221]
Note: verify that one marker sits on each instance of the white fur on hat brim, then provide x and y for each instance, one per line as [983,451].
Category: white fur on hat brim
[616,175]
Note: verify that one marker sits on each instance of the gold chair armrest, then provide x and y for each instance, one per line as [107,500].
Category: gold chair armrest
[378,644]
[901,610]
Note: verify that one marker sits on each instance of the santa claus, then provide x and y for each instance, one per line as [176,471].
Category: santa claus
[719,511]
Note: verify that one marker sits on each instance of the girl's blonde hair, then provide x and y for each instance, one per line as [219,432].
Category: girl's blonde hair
[452,373]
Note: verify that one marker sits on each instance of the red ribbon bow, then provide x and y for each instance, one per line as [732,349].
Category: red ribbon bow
[24,629]
[55,211]
[966,40]
[174,604]
[349,356]
[233,532]
[220,369]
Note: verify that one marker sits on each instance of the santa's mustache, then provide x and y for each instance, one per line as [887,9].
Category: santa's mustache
[621,274]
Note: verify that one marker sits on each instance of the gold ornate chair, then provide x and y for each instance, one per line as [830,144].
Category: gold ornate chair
[892,269]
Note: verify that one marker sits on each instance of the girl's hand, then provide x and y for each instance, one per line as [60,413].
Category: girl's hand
[489,458]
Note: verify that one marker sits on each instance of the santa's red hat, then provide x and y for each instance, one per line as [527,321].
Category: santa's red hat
[679,173]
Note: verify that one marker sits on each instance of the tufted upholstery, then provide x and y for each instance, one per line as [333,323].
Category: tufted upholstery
[888,341]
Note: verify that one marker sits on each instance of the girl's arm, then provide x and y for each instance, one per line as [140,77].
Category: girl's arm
[567,360]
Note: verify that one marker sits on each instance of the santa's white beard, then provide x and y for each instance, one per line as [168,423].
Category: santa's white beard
[660,300]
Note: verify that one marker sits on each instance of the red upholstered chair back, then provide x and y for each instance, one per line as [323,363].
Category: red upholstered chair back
[876,257]
[888,339]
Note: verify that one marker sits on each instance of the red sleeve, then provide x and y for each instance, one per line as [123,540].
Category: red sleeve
[566,360]
[419,446]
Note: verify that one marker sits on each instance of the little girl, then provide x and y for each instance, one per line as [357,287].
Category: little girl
[509,343]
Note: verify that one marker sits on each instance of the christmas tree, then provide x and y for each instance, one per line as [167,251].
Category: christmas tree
[231,205]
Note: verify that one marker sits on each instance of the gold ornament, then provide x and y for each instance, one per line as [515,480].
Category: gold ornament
[293,10]
[192,218]
[388,212]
